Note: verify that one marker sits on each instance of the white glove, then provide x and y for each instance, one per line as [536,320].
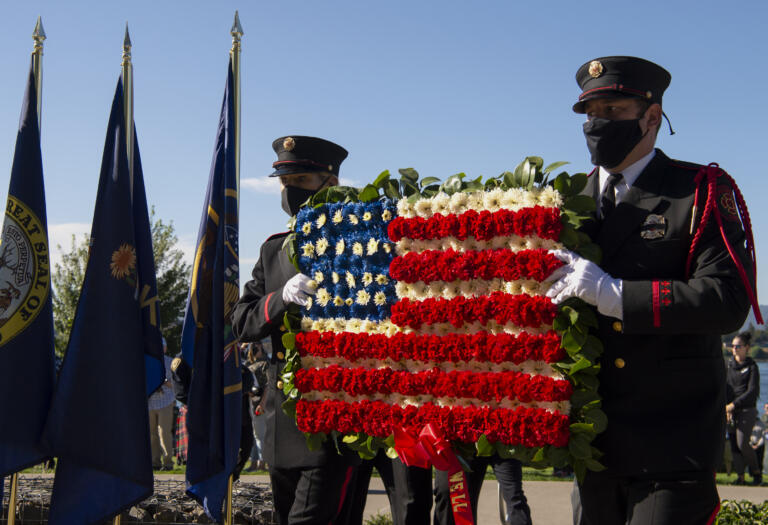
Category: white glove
[298,288]
[584,279]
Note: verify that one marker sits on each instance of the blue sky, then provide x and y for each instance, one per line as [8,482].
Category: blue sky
[441,86]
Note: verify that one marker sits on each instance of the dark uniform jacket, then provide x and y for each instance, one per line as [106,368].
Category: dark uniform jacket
[663,377]
[258,314]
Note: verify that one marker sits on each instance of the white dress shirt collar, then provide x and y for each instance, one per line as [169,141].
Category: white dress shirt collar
[629,175]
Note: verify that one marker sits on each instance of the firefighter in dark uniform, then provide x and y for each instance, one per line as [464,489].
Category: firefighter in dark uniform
[671,281]
[308,487]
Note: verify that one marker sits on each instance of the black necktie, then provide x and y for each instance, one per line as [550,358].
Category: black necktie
[608,198]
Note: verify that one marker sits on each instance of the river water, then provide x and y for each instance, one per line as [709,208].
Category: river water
[763,366]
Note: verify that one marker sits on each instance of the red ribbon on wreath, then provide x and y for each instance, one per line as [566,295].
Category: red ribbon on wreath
[428,449]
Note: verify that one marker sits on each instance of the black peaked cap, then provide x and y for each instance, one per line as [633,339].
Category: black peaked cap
[298,154]
[619,76]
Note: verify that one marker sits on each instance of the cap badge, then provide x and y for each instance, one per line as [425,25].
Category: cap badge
[595,69]
[289,143]
[654,227]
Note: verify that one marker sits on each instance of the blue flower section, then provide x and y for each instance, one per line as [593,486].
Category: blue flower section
[345,248]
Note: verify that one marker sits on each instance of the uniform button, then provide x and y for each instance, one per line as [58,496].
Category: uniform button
[279,385]
[617,326]
[280,355]
[619,363]
[282,328]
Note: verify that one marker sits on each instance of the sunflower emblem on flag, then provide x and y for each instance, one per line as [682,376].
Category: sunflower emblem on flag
[123,264]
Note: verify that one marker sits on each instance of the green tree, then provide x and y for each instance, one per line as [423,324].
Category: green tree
[172,284]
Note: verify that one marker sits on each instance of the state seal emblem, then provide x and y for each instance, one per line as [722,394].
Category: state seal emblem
[24,269]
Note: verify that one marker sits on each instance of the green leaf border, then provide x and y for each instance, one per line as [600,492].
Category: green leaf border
[576,321]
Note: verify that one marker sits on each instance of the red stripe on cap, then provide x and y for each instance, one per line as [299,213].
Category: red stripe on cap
[615,87]
[656,291]
[303,163]
[266,307]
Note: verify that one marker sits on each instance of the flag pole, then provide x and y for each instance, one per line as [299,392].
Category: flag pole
[38,35]
[228,515]
[237,34]
[128,102]
[12,498]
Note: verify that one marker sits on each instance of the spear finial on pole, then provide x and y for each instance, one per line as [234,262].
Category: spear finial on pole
[38,35]
[128,102]
[237,33]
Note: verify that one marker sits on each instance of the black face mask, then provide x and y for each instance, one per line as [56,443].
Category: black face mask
[610,141]
[292,198]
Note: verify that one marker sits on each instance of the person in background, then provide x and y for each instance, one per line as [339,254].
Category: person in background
[161,419]
[743,379]
[257,361]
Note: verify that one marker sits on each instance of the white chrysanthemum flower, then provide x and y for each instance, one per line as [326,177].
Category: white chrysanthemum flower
[467,288]
[337,217]
[441,203]
[321,245]
[373,246]
[381,279]
[335,277]
[550,197]
[419,290]
[308,249]
[306,228]
[340,247]
[349,301]
[498,243]
[339,325]
[353,325]
[434,289]
[350,279]
[530,199]
[517,243]
[320,222]
[386,215]
[353,219]
[404,208]
[319,277]
[386,247]
[308,324]
[308,304]
[363,297]
[367,278]
[401,289]
[323,297]
[475,201]
[367,216]
[380,299]
[338,301]
[403,246]
[492,200]
[513,287]
[513,199]
[458,203]
[471,244]
[451,290]
[423,208]
[357,249]
[390,329]
[442,329]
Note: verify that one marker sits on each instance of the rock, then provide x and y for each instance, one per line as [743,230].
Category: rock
[136,515]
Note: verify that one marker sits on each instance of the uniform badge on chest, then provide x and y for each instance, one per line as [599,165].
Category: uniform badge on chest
[654,227]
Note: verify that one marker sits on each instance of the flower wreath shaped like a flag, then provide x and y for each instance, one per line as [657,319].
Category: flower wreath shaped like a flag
[430,332]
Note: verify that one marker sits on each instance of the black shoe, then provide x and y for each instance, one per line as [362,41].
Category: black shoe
[739,481]
[757,479]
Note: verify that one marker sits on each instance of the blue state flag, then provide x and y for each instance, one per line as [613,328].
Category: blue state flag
[98,425]
[26,318]
[208,344]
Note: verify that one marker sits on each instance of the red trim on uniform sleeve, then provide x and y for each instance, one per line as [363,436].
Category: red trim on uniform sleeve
[266,306]
[656,291]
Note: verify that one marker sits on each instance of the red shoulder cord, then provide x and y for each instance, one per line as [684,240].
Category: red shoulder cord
[711,173]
